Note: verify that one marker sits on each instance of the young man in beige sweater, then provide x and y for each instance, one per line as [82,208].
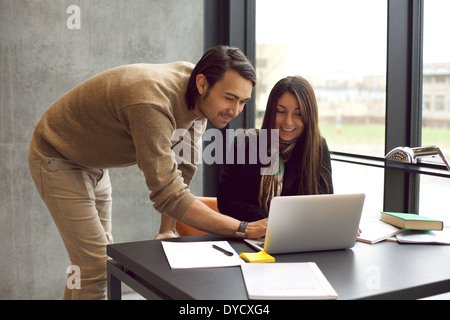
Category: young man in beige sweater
[125,116]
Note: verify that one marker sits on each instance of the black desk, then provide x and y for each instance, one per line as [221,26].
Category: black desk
[384,270]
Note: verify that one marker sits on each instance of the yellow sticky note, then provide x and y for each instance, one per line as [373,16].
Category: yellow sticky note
[257,257]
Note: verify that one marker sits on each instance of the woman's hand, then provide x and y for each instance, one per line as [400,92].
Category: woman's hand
[166,235]
[167,228]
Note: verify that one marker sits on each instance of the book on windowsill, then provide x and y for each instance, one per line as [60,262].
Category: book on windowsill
[411,221]
[286,281]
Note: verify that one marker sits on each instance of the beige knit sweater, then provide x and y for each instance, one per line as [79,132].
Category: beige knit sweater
[125,116]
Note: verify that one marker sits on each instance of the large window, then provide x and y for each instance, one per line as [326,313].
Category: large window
[436,75]
[380,70]
[340,48]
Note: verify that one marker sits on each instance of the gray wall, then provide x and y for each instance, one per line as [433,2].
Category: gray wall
[41,59]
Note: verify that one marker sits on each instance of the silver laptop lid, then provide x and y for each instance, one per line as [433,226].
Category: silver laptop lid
[313,223]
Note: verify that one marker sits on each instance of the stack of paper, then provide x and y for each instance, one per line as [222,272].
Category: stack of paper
[424,236]
[300,280]
[374,231]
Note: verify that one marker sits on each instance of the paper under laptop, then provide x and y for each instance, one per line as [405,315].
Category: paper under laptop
[311,223]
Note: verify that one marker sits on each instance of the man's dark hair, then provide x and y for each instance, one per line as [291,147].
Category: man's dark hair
[213,65]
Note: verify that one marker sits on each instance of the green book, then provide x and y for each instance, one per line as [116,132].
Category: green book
[411,221]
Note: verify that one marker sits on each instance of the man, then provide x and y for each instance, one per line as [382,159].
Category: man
[125,116]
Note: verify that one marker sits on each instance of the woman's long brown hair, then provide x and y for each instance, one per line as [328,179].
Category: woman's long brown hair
[310,166]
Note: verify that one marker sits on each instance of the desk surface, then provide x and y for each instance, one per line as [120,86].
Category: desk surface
[384,270]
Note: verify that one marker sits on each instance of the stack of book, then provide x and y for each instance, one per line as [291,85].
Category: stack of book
[404,228]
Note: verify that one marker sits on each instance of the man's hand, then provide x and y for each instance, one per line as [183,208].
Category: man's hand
[201,217]
[257,229]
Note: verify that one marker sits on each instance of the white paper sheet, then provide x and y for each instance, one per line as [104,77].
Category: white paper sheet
[374,231]
[423,236]
[185,255]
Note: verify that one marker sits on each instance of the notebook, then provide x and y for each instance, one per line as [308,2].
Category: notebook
[311,223]
[298,280]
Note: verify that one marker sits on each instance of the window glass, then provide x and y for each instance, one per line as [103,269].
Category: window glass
[353,178]
[436,76]
[434,191]
[340,48]
[434,201]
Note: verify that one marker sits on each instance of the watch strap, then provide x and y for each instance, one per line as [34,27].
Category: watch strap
[240,233]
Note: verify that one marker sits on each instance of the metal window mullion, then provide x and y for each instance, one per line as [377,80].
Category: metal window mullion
[403,98]
[229,22]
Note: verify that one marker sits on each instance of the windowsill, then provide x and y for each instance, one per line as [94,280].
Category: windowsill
[421,167]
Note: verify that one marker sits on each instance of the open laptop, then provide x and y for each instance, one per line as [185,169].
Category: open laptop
[311,223]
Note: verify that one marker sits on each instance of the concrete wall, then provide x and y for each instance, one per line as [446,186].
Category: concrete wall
[43,54]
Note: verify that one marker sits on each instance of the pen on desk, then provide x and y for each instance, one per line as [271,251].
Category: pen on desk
[228,253]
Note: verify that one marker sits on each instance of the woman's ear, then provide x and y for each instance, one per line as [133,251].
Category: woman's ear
[201,83]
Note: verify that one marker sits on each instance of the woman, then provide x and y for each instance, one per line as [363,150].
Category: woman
[304,165]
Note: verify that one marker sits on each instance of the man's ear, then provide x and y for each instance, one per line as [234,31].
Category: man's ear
[201,83]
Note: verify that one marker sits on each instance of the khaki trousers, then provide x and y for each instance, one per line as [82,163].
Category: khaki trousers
[79,201]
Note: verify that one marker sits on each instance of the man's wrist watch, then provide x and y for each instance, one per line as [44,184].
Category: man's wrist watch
[240,233]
